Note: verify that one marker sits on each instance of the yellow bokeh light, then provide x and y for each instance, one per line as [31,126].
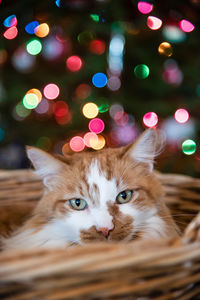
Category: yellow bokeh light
[165,48]
[42,30]
[37,93]
[98,145]
[90,110]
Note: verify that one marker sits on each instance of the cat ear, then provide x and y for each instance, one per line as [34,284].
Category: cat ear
[147,147]
[44,163]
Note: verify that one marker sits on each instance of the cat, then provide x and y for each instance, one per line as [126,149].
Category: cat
[112,195]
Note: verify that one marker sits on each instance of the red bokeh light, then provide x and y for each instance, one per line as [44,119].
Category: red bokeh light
[97,47]
[11,33]
[74,63]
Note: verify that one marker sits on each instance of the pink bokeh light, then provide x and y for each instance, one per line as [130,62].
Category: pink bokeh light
[150,119]
[90,136]
[51,91]
[154,23]
[96,125]
[181,115]
[11,33]
[77,144]
[145,7]
[186,26]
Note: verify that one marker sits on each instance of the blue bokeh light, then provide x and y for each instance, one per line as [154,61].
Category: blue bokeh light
[2,134]
[99,80]
[10,21]
[30,27]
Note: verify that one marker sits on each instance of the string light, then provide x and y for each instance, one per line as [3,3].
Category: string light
[97,47]
[181,115]
[90,138]
[37,93]
[96,125]
[189,147]
[154,23]
[51,91]
[150,119]
[11,33]
[141,71]
[42,30]
[30,27]
[186,26]
[90,110]
[99,80]
[34,47]
[77,144]
[74,63]
[145,7]
[10,21]
[165,48]
[99,144]
[30,101]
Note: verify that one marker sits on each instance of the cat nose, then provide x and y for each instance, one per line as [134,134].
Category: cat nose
[104,230]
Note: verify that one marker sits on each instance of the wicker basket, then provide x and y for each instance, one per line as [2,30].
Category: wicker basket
[167,269]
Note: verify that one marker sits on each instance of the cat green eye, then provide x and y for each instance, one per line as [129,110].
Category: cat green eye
[78,204]
[124,197]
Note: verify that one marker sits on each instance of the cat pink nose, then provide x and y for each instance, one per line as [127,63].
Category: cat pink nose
[104,230]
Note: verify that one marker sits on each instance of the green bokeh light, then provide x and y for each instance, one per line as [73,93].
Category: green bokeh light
[21,111]
[30,101]
[141,71]
[103,108]
[34,47]
[189,147]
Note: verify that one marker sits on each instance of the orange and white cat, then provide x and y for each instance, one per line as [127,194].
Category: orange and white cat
[110,195]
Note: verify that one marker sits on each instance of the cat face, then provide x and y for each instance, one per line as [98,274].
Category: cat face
[110,195]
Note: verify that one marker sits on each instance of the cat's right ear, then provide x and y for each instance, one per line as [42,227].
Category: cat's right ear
[44,163]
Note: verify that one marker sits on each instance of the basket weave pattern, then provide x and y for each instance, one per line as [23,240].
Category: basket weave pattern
[166,269]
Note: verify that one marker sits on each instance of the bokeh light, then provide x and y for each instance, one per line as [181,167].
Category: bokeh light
[83,91]
[145,7]
[3,56]
[181,115]
[30,101]
[90,137]
[51,91]
[37,93]
[173,34]
[150,119]
[116,108]
[42,30]
[121,119]
[114,83]
[90,110]
[11,33]
[99,80]
[172,74]
[23,61]
[21,111]
[165,48]
[2,134]
[97,47]
[34,47]
[52,48]
[186,26]
[104,107]
[77,144]
[99,144]
[96,125]
[74,63]
[154,23]
[60,109]
[10,21]
[30,27]
[141,71]
[43,107]
[189,147]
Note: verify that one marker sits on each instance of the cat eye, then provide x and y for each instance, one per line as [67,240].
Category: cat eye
[124,197]
[78,204]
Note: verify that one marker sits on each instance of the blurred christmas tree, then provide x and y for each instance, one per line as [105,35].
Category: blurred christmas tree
[81,74]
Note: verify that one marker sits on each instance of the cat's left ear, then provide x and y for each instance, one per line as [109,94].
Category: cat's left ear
[44,163]
[146,147]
